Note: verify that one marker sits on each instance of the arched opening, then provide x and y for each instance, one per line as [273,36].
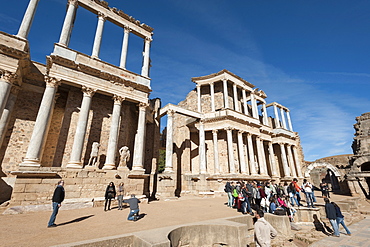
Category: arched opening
[365,167]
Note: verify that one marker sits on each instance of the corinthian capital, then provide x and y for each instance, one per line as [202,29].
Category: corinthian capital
[170,113]
[8,76]
[143,106]
[101,15]
[88,91]
[52,81]
[73,2]
[148,39]
[118,99]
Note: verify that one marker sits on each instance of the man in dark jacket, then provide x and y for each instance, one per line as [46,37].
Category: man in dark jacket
[331,214]
[134,208]
[57,200]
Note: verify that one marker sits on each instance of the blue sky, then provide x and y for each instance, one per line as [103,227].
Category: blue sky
[310,56]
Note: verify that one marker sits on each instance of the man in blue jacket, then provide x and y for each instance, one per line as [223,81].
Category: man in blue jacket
[57,200]
[134,208]
[331,214]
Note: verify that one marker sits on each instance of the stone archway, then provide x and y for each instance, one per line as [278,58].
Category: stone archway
[360,161]
[331,175]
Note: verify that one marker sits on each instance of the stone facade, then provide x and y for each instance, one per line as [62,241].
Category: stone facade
[52,113]
[223,131]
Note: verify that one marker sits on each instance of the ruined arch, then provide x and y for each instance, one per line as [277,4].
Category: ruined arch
[321,164]
[360,161]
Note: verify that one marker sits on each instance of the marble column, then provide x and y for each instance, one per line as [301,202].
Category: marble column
[145,68]
[199,94]
[41,127]
[202,148]
[98,35]
[277,120]
[68,23]
[283,118]
[247,165]
[7,79]
[284,160]
[212,88]
[25,27]
[272,160]
[215,152]
[5,117]
[263,154]
[243,169]
[230,149]
[226,94]
[260,156]
[252,163]
[289,121]
[138,162]
[80,134]
[113,133]
[291,161]
[254,106]
[264,114]
[236,102]
[298,164]
[169,141]
[245,105]
[124,47]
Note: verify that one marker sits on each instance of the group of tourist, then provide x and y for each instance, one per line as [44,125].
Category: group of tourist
[110,193]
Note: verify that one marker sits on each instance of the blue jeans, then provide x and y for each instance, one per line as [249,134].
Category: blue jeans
[341,221]
[230,202]
[309,199]
[292,199]
[132,213]
[246,206]
[54,214]
[335,226]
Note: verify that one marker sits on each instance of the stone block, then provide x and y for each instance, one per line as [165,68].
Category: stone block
[29,181]
[19,188]
[53,181]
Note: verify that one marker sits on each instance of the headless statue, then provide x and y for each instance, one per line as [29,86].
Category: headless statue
[124,156]
[94,154]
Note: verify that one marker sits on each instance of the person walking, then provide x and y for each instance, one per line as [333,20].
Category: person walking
[331,214]
[340,218]
[263,231]
[229,190]
[134,208]
[110,193]
[120,194]
[58,198]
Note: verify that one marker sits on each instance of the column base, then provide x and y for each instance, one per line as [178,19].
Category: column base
[123,168]
[168,170]
[74,165]
[137,171]
[35,163]
[109,167]
[93,168]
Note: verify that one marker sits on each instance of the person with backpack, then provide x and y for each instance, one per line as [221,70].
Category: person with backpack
[229,189]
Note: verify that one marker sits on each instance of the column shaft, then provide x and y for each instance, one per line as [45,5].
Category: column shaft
[40,130]
[243,169]
[138,164]
[169,142]
[272,160]
[202,149]
[145,68]
[6,81]
[252,163]
[5,117]
[199,94]
[68,23]
[25,27]
[215,152]
[289,121]
[263,164]
[265,117]
[283,117]
[80,134]
[254,106]
[236,102]
[298,164]
[284,160]
[277,120]
[230,149]
[212,87]
[226,96]
[245,102]
[113,134]
[247,165]
[124,48]
[291,161]
[98,36]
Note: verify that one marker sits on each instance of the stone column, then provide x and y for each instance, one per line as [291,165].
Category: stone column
[284,160]
[263,157]
[236,103]
[80,135]
[199,94]
[230,149]
[169,141]
[7,79]
[145,68]
[243,169]
[245,102]
[226,95]
[299,170]
[68,23]
[254,106]
[113,133]
[277,120]
[260,156]
[202,148]
[291,161]
[25,27]
[283,118]
[98,35]
[289,121]
[40,130]
[124,47]
[212,87]
[138,162]
[272,160]
[5,117]
[215,151]
[264,113]
[247,165]
[252,163]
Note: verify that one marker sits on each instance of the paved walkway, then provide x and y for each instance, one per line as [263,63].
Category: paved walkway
[360,236]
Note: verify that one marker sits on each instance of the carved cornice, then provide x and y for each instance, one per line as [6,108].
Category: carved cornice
[11,52]
[8,76]
[52,81]
[88,91]
[89,70]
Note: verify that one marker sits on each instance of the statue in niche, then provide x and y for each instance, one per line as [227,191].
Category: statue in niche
[124,153]
[94,154]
